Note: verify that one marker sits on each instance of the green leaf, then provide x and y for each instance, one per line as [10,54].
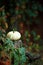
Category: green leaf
[26,33]
[33,33]
[27,40]
[17,12]
[22,50]
[34,7]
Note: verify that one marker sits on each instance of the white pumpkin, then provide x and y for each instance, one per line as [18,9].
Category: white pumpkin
[10,35]
[14,35]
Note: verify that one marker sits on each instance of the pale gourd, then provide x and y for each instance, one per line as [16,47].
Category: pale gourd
[14,35]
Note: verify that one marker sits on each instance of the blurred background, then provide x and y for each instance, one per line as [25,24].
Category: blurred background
[25,16]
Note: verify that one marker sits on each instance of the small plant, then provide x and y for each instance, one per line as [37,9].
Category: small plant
[18,55]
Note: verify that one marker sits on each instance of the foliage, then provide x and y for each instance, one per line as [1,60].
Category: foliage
[18,54]
[22,10]
[28,12]
[31,37]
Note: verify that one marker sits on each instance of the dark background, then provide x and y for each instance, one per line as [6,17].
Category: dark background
[39,29]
